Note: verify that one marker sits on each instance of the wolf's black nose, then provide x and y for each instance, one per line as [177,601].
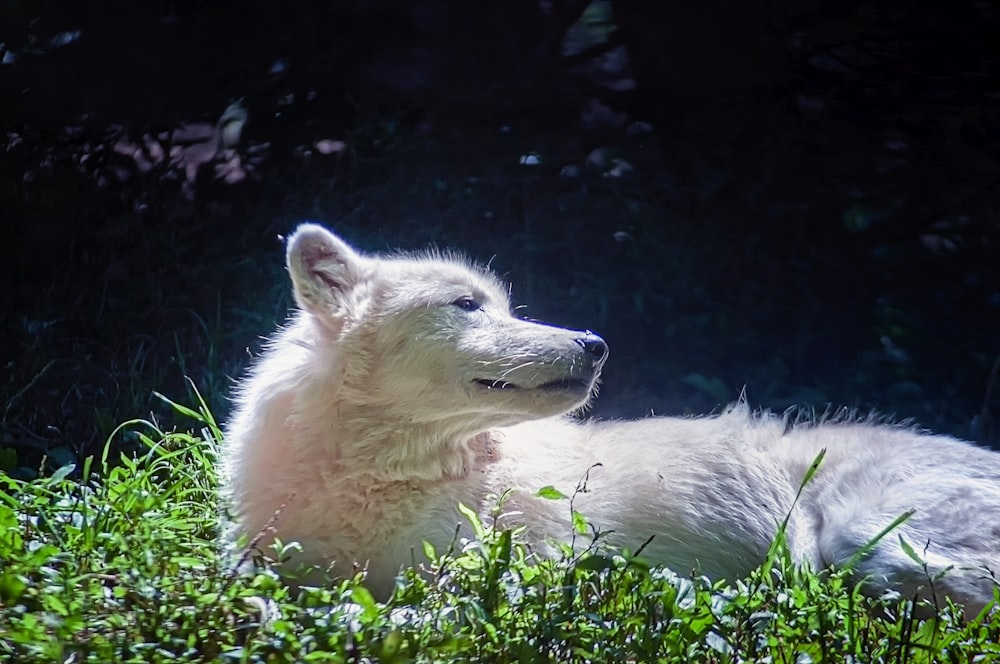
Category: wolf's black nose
[595,346]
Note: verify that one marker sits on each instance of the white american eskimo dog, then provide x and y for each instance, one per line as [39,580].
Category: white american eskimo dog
[404,386]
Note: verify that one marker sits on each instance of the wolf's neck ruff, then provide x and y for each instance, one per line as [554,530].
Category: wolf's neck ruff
[487,448]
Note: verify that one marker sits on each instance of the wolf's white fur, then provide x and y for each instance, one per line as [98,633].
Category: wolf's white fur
[390,398]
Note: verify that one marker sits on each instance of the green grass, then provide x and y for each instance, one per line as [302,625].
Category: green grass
[117,561]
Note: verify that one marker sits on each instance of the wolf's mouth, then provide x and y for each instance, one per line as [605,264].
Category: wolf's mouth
[568,384]
[495,384]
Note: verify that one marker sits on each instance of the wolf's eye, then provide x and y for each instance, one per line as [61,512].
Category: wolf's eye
[467,304]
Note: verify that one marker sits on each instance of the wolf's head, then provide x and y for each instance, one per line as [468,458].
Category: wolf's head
[430,340]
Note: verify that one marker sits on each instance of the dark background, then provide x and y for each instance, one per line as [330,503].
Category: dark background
[798,198]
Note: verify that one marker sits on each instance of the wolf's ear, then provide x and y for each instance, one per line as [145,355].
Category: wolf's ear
[325,272]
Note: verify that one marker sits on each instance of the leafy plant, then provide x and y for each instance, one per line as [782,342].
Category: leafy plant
[118,561]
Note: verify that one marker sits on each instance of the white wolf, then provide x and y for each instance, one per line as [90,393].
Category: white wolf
[404,386]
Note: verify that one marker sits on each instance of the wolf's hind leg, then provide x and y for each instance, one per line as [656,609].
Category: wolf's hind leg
[954,533]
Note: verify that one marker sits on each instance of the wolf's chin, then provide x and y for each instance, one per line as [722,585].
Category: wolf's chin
[514,403]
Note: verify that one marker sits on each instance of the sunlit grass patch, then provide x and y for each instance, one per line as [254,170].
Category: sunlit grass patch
[118,560]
